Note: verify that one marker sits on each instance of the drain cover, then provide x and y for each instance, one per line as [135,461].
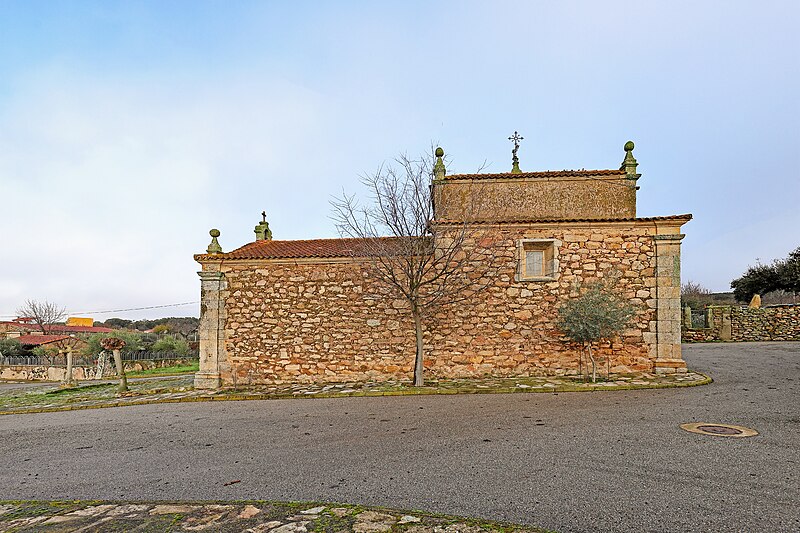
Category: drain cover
[719,430]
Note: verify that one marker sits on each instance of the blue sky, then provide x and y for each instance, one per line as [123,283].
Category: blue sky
[129,129]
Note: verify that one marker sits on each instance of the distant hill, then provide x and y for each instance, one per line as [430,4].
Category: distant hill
[183,325]
[697,301]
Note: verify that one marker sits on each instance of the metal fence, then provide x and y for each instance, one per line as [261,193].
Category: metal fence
[144,355]
[31,360]
[88,360]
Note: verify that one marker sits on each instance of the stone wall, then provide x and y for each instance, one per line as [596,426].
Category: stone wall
[80,373]
[312,321]
[734,323]
[560,197]
[509,328]
[317,320]
[45,373]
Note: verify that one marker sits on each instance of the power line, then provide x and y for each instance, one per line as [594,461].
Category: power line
[133,308]
[123,310]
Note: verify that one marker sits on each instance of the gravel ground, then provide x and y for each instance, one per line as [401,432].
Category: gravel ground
[599,461]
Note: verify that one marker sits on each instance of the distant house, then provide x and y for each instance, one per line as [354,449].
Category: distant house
[52,343]
[80,321]
[87,330]
[13,329]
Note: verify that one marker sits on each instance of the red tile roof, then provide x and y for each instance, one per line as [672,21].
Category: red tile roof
[341,248]
[18,325]
[313,248]
[540,174]
[55,328]
[685,217]
[78,329]
[38,340]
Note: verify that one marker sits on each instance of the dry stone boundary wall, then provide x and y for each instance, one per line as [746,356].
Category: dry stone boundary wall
[80,373]
[733,323]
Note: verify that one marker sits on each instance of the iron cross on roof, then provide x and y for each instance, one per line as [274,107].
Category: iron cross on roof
[516,138]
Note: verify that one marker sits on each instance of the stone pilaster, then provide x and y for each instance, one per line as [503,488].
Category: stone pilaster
[213,356]
[666,352]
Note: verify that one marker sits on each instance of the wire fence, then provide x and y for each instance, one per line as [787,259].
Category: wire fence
[699,319]
[89,360]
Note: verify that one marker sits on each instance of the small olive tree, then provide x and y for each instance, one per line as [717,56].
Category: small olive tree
[171,345]
[597,314]
[10,348]
[133,342]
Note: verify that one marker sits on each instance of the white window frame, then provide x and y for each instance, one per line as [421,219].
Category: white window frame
[550,262]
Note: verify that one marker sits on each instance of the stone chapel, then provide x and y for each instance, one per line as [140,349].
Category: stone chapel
[278,311]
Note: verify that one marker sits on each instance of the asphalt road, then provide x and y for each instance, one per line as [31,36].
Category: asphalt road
[602,461]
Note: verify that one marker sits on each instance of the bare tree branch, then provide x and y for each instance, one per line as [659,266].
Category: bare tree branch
[426,263]
[44,313]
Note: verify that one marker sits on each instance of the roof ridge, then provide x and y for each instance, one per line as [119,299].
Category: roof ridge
[319,248]
[686,216]
[321,239]
[564,172]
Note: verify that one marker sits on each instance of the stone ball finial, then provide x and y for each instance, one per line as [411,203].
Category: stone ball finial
[629,146]
[214,247]
[439,152]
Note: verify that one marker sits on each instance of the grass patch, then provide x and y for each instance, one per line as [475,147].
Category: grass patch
[55,398]
[30,509]
[76,390]
[192,367]
[179,388]
[327,521]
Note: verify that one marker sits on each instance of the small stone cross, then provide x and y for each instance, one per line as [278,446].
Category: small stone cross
[263,216]
[516,138]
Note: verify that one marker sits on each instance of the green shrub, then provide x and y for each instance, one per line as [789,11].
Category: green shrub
[10,348]
[133,341]
[597,314]
[171,345]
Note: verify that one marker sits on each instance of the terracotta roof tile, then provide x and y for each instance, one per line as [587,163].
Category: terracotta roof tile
[540,174]
[78,329]
[55,328]
[37,340]
[19,325]
[341,248]
[313,248]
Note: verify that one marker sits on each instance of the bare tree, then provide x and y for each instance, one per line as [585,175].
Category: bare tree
[695,295]
[43,313]
[67,346]
[427,264]
[115,345]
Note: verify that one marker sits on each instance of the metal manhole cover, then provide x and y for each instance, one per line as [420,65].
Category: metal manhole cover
[719,430]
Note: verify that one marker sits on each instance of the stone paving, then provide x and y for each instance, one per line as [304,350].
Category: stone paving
[179,389]
[241,517]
